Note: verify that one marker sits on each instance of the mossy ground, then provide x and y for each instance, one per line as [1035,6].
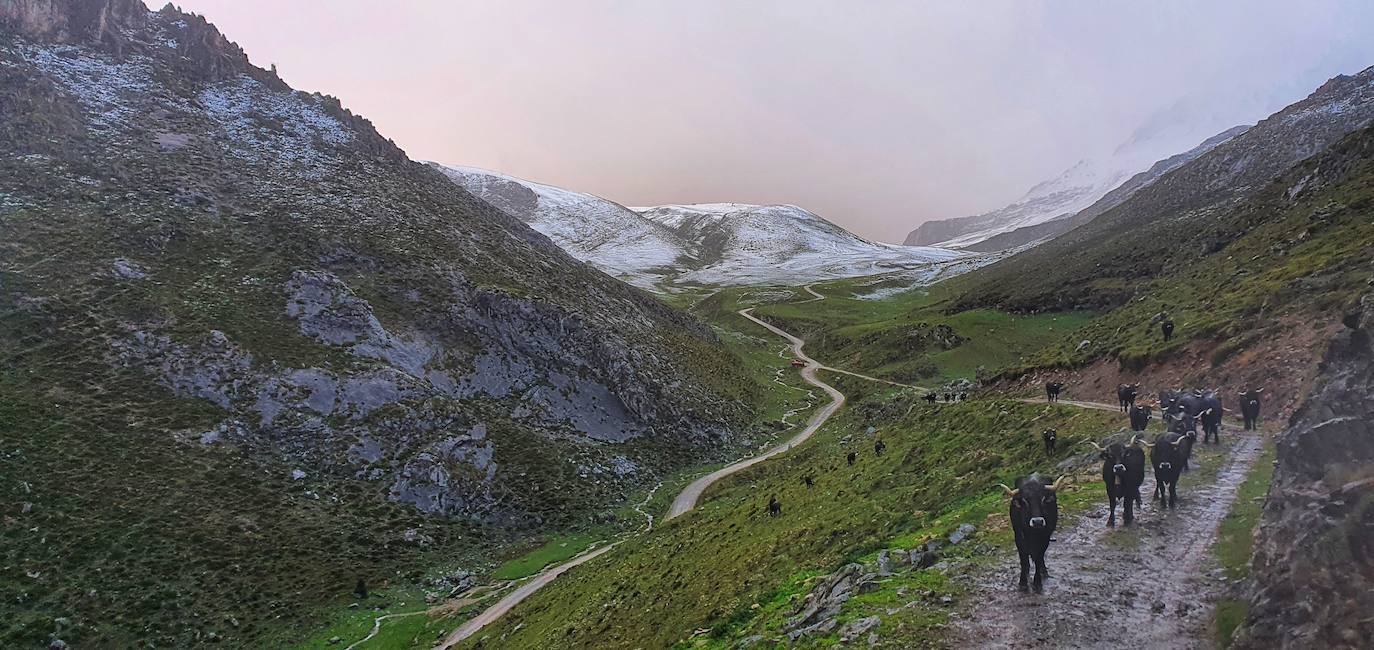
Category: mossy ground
[1236,540]
[709,568]
[884,337]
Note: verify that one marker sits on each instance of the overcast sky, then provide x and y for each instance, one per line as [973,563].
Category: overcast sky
[876,115]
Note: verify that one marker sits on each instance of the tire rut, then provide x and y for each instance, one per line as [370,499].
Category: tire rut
[1147,585]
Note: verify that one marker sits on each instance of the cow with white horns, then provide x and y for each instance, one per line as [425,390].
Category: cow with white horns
[1034,514]
[1123,471]
[1166,455]
[1126,394]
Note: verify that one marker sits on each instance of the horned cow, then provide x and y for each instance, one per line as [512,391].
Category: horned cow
[1034,514]
[1166,456]
[1052,390]
[1123,471]
[1250,408]
[1126,394]
[1140,417]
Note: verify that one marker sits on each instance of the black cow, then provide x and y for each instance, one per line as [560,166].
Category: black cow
[1140,417]
[1123,471]
[929,397]
[878,447]
[809,480]
[1178,423]
[1051,438]
[1034,514]
[1052,390]
[852,457]
[774,508]
[1250,408]
[1168,401]
[1167,327]
[1191,405]
[1126,394]
[1211,417]
[1166,455]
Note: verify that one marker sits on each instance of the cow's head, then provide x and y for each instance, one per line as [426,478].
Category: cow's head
[1050,434]
[1113,457]
[1033,504]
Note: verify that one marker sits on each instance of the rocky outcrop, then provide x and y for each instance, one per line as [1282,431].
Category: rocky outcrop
[104,22]
[1314,559]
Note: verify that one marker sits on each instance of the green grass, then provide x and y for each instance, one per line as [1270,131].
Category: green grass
[555,550]
[713,565]
[908,337]
[1236,538]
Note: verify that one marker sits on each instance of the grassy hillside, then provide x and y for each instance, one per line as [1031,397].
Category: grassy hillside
[908,337]
[727,565]
[1295,255]
[1181,217]
[250,353]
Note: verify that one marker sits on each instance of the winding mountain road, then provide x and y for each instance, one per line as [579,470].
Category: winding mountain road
[687,499]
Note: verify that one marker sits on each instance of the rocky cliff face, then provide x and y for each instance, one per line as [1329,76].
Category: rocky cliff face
[1314,561]
[244,333]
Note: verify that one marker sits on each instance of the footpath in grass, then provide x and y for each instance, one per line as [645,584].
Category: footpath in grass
[1236,540]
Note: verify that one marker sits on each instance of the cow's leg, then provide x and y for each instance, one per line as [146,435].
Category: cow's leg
[1040,571]
[1173,492]
[1111,505]
[1158,494]
[1129,514]
[1025,562]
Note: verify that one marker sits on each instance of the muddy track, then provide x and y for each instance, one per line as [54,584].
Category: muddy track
[1147,585]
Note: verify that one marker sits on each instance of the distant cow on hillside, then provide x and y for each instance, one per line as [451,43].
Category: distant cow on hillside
[1123,470]
[1211,417]
[774,508]
[1126,394]
[1052,390]
[1250,408]
[1051,438]
[1140,417]
[1034,514]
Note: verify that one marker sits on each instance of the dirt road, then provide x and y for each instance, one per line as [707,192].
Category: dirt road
[514,598]
[1147,585]
[687,499]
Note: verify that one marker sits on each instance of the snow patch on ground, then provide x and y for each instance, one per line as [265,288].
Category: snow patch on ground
[271,125]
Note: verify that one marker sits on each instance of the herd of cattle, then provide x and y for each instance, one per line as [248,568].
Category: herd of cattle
[1034,511]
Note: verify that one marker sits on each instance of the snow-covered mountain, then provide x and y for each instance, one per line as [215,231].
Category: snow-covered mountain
[1076,189]
[604,233]
[710,243]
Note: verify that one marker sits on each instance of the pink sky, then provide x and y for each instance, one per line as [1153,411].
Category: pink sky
[877,115]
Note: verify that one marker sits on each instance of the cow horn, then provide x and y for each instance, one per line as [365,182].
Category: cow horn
[1095,445]
[1135,440]
[1060,482]
[1010,492]
[1178,442]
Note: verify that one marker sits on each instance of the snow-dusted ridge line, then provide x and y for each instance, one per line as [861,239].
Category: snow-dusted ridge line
[671,246]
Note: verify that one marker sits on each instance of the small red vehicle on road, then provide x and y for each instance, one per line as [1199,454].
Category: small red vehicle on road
[798,363]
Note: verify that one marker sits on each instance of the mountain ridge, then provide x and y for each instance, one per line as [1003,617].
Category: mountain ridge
[675,246]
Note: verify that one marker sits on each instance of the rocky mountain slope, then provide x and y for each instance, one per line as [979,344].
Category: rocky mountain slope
[1101,262]
[253,353]
[704,244]
[1024,235]
[1314,563]
[1058,199]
